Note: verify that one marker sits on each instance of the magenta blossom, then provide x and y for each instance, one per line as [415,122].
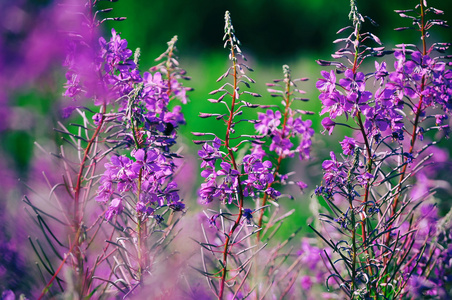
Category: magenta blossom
[328,124]
[348,145]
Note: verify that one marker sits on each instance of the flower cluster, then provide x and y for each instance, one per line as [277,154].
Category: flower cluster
[343,177]
[344,98]
[114,78]
[269,125]
[224,183]
[415,77]
[149,129]
[236,179]
[284,125]
[280,129]
[380,230]
[349,97]
[120,73]
[147,174]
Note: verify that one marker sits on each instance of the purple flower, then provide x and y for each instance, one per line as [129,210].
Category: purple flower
[328,164]
[115,51]
[231,175]
[208,191]
[105,190]
[97,118]
[272,193]
[363,179]
[8,295]
[170,193]
[179,91]
[146,160]
[327,83]
[120,168]
[154,93]
[210,154]
[268,122]
[175,117]
[282,146]
[208,173]
[67,111]
[304,149]
[311,254]
[306,282]
[259,174]
[332,103]
[213,220]
[353,81]
[258,151]
[177,205]
[335,173]
[115,208]
[348,145]
[304,130]
[301,185]
[380,71]
[120,171]
[328,124]
[142,208]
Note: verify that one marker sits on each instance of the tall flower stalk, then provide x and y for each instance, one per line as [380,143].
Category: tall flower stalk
[232,189]
[134,115]
[77,176]
[241,177]
[281,135]
[141,182]
[373,174]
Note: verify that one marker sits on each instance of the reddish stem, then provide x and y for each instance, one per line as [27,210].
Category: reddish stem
[63,262]
[414,132]
[240,191]
[77,205]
